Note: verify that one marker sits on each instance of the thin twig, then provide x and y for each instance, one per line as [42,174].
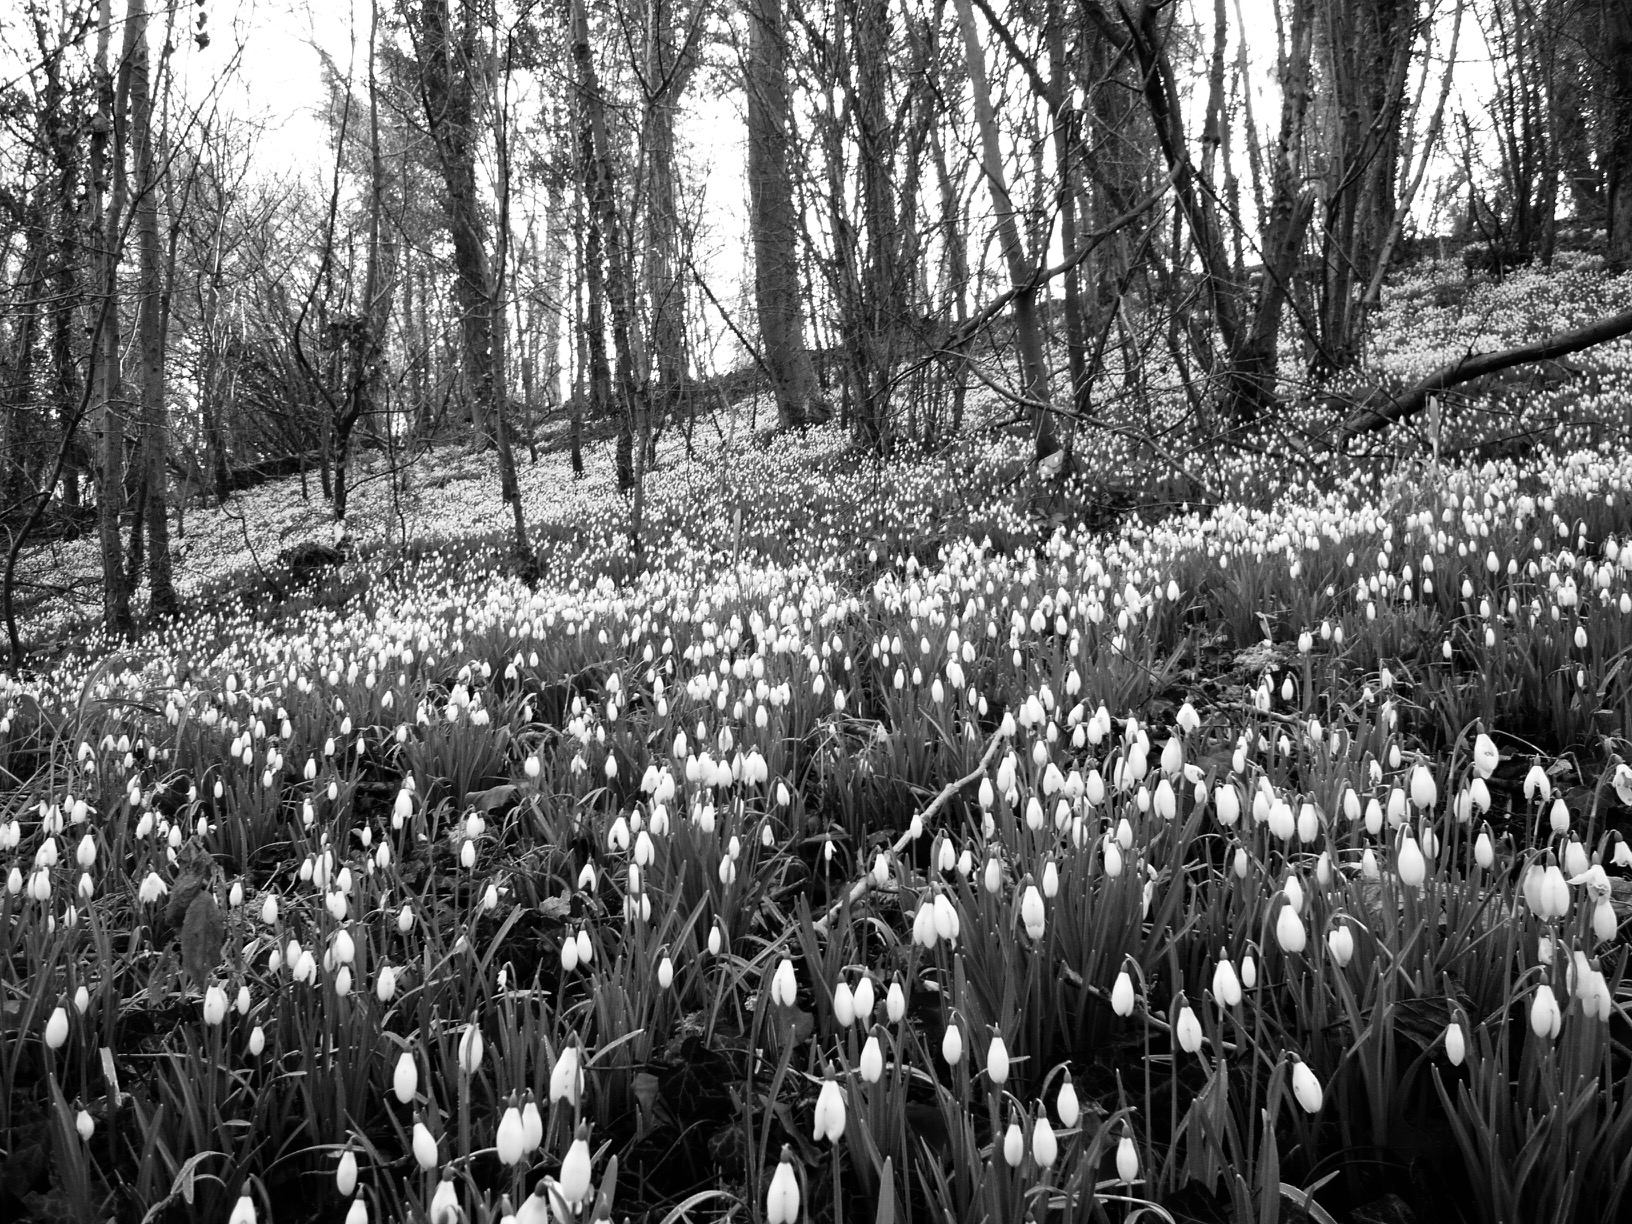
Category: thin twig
[864,885]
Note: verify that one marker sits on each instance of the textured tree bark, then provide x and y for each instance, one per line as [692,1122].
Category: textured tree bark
[106,227]
[1616,18]
[150,322]
[772,221]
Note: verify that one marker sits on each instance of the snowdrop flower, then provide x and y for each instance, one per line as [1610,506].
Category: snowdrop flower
[445,1202]
[575,1168]
[511,1139]
[1545,1017]
[1538,787]
[1127,1160]
[782,1200]
[1069,1108]
[243,1212]
[1485,756]
[829,1111]
[566,1078]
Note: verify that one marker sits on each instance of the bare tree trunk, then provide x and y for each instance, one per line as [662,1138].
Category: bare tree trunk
[1617,50]
[773,222]
[602,202]
[1028,329]
[107,391]
[150,321]
[448,93]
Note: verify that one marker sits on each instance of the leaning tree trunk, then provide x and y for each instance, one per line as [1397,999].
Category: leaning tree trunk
[1027,326]
[773,221]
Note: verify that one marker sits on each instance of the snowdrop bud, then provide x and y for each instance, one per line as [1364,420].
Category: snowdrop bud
[952,1044]
[1031,911]
[471,1048]
[215,1005]
[1424,791]
[357,1213]
[1069,1108]
[243,1212]
[1340,942]
[1045,1148]
[257,1041]
[1289,932]
[1122,995]
[1558,818]
[405,1080]
[872,1059]
[1187,1029]
[997,1060]
[895,1002]
[1305,1087]
[345,1174]
[1014,1143]
[1455,1044]
[1409,862]
[56,1029]
[85,1125]
[424,1146]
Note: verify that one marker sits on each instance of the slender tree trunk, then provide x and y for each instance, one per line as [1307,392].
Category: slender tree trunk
[448,92]
[150,321]
[602,201]
[106,227]
[1027,326]
[773,221]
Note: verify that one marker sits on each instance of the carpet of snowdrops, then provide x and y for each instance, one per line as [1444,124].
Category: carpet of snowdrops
[863,854]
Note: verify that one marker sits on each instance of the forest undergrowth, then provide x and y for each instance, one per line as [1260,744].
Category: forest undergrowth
[890,840]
